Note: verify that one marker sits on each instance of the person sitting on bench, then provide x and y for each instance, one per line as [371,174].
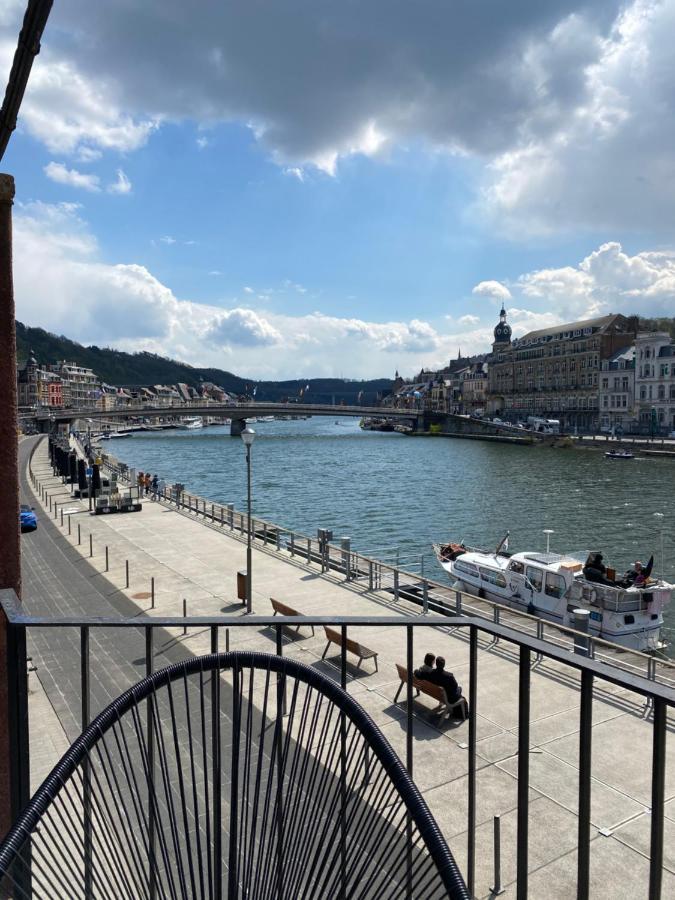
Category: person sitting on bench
[446,680]
[427,669]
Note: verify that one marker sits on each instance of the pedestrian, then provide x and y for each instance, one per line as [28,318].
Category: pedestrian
[154,483]
[427,668]
[161,487]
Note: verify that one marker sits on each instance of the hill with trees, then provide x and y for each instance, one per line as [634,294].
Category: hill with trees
[122,369]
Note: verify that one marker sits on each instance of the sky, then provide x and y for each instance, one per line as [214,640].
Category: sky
[305,188]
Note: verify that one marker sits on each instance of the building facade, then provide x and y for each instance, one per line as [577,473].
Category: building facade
[616,396]
[81,387]
[554,372]
[37,386]
[655,382]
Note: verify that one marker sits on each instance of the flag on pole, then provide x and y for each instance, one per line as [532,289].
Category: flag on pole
[255,389]
[306,388]
[359,396]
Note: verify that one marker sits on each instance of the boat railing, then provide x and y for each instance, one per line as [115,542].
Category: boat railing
[341,560]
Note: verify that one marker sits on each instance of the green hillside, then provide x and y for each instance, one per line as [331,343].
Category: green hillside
[135,369]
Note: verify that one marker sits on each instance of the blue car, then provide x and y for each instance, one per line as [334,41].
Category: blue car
[28,518]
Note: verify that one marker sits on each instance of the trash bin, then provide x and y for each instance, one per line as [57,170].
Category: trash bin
[241,585]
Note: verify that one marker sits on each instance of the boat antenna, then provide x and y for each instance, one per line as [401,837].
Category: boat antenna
[548,532]
[503,544]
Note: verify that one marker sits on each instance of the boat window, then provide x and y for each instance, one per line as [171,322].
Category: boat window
[467,568]
[516,566]
[555,585]
[535,577]
[493,577]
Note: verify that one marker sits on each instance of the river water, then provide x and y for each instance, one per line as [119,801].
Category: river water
[395,495]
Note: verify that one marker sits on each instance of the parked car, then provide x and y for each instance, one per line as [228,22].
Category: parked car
[27,518]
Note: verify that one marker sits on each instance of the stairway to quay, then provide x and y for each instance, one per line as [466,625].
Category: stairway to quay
[557,751]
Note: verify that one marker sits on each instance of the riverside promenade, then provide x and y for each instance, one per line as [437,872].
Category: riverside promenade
[196,562]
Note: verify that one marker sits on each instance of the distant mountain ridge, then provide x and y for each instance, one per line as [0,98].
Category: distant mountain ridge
[118,368]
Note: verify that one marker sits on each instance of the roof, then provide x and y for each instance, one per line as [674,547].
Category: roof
[600,323]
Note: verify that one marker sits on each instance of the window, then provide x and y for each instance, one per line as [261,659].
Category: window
[662,392]
[535,577]
[605,383]
[492,577]
[516,566]
[643,393]
[466,567]
[555,585]
[664,371]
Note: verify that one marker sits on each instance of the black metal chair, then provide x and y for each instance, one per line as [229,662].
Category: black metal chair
[231,775]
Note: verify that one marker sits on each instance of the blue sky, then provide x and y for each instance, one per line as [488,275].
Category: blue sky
[291,189]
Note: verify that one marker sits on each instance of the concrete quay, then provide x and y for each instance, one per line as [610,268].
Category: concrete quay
[192,561]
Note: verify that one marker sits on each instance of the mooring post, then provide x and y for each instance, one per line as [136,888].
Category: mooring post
[107,566]
[126,571]
[152,592]
[184,614]
[497,889]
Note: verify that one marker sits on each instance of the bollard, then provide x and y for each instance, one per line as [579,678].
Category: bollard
[152,592]
[91,545]
[56,510]
[61,518]
[184,614]
[126,570]
[581,621]
[107,562]
[79,534]
[69,523]
[497,889]
[50,504]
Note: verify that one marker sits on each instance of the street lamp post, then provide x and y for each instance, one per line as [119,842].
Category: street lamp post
[247,436]
[659,518]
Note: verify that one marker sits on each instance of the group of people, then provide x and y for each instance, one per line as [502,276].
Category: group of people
[596,571]
[433,670]
[150,484]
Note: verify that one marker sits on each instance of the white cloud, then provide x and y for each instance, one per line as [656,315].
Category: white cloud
[468,320]
[121,186]
[244,327]
[295,172]
[576,100]
[493,289]
[167,239]
[60,173]
[202,143]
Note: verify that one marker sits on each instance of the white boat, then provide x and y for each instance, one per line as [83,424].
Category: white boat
[619,454]
[553,586]
[191,423]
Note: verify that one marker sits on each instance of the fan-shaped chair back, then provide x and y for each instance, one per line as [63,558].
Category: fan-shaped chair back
[233,775]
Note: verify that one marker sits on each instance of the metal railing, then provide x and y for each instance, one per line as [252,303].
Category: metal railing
[18,627]
[353,566]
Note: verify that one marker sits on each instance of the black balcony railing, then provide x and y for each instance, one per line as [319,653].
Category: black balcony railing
[658,696]
[237,774]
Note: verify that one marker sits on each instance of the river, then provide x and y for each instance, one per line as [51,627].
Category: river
[395,495]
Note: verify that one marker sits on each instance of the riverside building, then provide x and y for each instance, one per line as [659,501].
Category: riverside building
[655,382]
[617,392]
[554,372]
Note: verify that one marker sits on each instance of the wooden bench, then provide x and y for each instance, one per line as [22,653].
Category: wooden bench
[335,637]
[285,610]
[432,690]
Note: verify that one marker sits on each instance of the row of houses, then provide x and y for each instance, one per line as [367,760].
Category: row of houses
[595,374]
[65,384]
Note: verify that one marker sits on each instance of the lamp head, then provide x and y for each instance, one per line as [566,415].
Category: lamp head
[247,436]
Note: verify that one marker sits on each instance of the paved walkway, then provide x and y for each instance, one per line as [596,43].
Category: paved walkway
[199,563]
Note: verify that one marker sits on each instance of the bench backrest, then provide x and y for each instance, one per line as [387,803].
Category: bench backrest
[280,607]
[427,687]
[353,646]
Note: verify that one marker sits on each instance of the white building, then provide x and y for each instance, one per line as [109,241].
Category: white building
[655,381]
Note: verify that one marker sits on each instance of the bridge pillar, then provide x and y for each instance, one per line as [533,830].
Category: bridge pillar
[236,427]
